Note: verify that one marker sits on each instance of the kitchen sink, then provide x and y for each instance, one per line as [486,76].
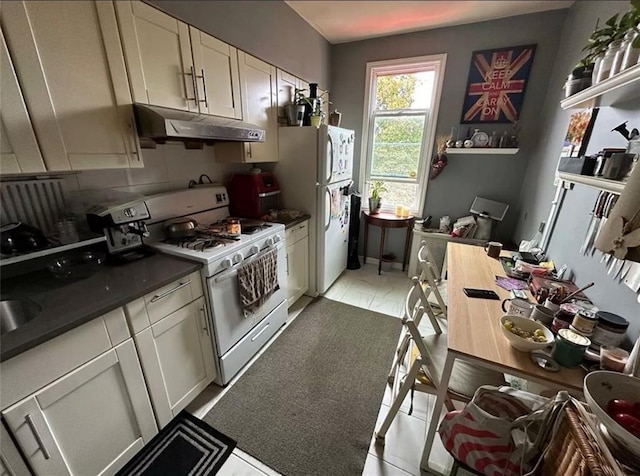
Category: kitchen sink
[17,312]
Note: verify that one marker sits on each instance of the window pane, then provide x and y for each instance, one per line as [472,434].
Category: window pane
[399,193]
[404,91]
[396,145]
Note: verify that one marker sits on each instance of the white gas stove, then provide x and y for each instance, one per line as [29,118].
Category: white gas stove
[236,338]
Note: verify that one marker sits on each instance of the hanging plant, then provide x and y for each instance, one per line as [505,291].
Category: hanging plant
[439,161]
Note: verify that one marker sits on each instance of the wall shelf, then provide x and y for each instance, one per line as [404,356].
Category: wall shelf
[622,87]
[50,251]
[482,151]
[613,186]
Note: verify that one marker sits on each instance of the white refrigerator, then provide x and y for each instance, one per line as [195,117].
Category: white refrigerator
[314,170]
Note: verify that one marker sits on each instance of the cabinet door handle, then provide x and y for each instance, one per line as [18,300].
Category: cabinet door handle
[287,261]
[157,297]
[205,327]
[204,89]
[36,435]
[249,150]
[192,73]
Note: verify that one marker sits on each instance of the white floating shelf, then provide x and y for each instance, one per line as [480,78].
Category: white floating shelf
[50,251]
[607,185]
[619,88]
[482,151]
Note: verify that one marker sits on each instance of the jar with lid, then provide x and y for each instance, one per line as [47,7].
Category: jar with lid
[631,54]
[617,47]
[610,329]
[597,63]
[584,322]
[233,227]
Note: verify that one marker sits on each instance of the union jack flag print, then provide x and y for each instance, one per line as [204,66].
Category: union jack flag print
[497,83]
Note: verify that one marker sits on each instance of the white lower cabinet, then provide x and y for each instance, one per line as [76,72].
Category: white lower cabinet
[177,357]
[297,239]
[91,421]
[11,463]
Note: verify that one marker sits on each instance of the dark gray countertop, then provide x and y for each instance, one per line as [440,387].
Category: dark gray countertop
[68,305]
[294,222]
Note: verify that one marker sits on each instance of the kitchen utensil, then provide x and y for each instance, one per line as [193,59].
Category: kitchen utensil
[625,270]
[602,386]
[632,280]
[576,292]
[609,204]
[542,314]
[597,210]
[180,228]
[19,237]
[76,265]
[493,249]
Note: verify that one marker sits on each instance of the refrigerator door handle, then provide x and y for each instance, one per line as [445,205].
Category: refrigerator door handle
[330,145]
[326,227]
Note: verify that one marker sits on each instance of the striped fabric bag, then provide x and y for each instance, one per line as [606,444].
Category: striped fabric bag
[501,431]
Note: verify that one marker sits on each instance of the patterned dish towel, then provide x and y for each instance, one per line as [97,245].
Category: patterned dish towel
[257,281]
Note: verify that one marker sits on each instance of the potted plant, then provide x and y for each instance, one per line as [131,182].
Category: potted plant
[594,65]
[375,200]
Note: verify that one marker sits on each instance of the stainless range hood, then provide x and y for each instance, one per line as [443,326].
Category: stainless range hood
[161,124]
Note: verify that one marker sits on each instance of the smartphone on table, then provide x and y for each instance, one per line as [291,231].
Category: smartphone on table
[481,293]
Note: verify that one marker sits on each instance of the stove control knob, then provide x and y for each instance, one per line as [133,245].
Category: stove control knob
[226,263]
[269,241]
[255,249]
[237,258]
[276,239]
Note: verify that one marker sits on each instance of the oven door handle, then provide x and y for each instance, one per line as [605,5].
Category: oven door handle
[234,269]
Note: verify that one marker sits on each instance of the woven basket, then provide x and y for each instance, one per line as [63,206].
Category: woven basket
[572,452]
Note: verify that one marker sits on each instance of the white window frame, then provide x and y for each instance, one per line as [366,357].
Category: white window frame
[399,66]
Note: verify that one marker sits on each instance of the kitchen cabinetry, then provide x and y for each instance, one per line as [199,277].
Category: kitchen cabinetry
[259,106]
[287,85]
[157,50]
[11,463]
[91,421]
[216,69]
[174,341]
[175,65]
[19,150]
[70,67]
[297,239]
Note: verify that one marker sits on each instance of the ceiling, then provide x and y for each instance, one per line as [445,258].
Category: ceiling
[342,21]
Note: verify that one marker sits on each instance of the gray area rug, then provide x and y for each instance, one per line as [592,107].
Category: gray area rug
[308,405]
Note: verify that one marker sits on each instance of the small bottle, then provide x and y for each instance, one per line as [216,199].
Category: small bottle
[493,140]
[504,140]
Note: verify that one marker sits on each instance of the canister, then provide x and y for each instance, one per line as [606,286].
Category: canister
[569,348]
[234,228]
[584,322]
[610,329]
[561,320]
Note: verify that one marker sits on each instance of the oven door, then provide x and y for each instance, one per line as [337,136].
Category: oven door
[228,319]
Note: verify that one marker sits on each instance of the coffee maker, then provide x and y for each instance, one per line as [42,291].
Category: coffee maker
[124,227]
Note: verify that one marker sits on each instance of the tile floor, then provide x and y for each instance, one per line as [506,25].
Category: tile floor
[400,456]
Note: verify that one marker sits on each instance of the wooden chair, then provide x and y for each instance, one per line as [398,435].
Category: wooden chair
[431,278]
[427,360]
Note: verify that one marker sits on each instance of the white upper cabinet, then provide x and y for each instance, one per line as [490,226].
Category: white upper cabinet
[70,67]
[216,72]
[19,150]
[325,104]
[259,107]
[158,54]
[287,85]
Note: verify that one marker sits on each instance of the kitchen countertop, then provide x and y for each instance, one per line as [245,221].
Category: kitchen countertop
[294,222]
[68,305]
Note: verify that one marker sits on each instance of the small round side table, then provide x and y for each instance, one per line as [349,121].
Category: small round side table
[387,220]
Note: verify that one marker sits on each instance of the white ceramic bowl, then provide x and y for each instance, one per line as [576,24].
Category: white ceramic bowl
[527,324]
[602,386]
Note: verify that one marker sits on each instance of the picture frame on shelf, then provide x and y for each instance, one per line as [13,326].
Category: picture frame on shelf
[579,132]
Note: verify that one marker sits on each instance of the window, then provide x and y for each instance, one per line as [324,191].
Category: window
[401,108]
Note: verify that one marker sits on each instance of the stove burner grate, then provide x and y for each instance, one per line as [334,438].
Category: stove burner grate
[201,241]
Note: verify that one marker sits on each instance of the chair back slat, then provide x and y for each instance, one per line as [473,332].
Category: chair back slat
[417,302]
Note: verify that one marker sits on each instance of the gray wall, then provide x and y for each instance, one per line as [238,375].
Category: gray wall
[494,177]
[538,189]
[267,29]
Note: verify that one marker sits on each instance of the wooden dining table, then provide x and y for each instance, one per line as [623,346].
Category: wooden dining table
[474,333]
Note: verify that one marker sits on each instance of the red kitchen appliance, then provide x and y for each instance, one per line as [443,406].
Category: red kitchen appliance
[252,195]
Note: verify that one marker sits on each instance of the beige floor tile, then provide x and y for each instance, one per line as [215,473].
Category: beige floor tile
[404,443]
[376,467]
[357,299]
[236,466]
